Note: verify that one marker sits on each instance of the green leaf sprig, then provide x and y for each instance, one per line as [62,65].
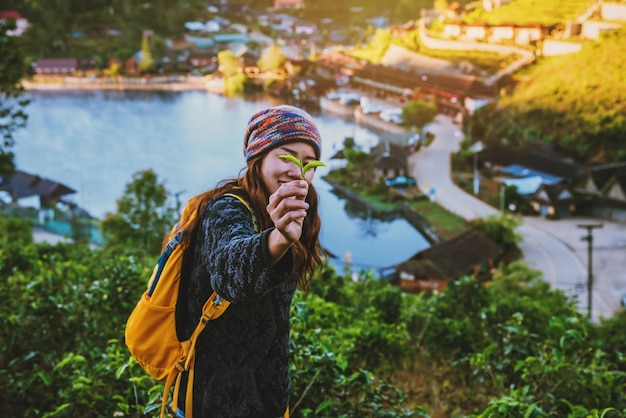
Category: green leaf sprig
[303,167]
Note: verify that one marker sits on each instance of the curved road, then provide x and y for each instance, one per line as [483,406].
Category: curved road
[544,252]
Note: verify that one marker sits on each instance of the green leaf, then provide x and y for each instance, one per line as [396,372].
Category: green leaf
[312,164]
[292,159]
[121,370]
[298,162]
[322,406]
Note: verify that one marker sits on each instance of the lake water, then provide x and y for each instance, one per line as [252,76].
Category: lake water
[94,141]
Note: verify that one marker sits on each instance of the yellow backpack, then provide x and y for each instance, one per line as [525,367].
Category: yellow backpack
[151,327]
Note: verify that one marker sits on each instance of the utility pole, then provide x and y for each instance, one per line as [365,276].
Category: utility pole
[589,239]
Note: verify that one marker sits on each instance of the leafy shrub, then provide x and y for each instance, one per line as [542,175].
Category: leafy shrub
[358,348]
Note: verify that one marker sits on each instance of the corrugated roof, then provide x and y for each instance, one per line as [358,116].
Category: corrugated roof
[455,257]
[389,155]
[21,184]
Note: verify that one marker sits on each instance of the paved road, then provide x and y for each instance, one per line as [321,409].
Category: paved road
[543,242]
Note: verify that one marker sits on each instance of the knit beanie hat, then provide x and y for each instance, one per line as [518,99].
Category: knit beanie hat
[274,126]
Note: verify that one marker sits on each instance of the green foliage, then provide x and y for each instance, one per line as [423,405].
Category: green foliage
[418,113]
[14,231]
[228,63]
[301,166]
[515,341]
[348,142]
[59,312]
[360,163]
[80,228]
[500,229]
[272,58]
[12,115]
[581,111]
[376,48]
[547,12]
[144,215]
[235,84]
[330,364]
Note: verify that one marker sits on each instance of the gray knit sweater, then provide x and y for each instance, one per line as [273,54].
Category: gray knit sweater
[242,358]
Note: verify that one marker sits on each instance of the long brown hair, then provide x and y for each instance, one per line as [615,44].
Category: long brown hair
[307,251]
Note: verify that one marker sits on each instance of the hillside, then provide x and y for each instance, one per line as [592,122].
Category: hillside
[546,12]
[577,102]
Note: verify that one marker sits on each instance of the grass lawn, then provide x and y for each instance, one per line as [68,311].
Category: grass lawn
[446,223]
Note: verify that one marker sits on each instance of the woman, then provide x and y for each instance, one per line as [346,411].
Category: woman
[242,358]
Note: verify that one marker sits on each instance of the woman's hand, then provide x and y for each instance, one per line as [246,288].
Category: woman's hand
[287,209]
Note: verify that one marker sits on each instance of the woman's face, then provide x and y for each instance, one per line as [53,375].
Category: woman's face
[276,171]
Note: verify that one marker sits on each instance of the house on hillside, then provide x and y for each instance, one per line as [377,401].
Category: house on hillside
[552,167]
[553,200]
[390,160]
[543,179]
[230,40]
[478,31]
[469,253]
[601,191]
[288,4]
[202,58]
[475,31]
[87,66]
[20,22]
[489,5]
[21,187]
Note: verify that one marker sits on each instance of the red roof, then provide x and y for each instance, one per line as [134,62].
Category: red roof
[10,14]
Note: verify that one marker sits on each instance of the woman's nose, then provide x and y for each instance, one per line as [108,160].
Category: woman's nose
[294,171]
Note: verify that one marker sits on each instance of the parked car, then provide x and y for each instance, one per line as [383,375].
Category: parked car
[401,181]
[349,99]
[333,95]
[371,108]
[393,114]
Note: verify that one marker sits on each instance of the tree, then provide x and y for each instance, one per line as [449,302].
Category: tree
[272,58]
[228,63]
[12,115]
[143,215]
[501,229]
[441,6]
[418,113]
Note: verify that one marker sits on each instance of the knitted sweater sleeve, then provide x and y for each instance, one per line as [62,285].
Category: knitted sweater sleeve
[236,257]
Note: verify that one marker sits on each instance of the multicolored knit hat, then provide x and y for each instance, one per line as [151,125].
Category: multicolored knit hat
[274,126]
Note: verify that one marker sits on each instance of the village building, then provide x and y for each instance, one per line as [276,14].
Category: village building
[469,253]
[288,4]
[390,160]
[56,66]
[20,22]
[601,191]
[29,190]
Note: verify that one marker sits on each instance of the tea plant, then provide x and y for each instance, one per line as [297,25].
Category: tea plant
[303,167]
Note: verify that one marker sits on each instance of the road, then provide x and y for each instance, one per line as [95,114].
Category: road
[543,244]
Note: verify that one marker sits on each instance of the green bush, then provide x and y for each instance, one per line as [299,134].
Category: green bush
[358,348]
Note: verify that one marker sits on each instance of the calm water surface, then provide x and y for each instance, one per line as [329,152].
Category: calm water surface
[94,141]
